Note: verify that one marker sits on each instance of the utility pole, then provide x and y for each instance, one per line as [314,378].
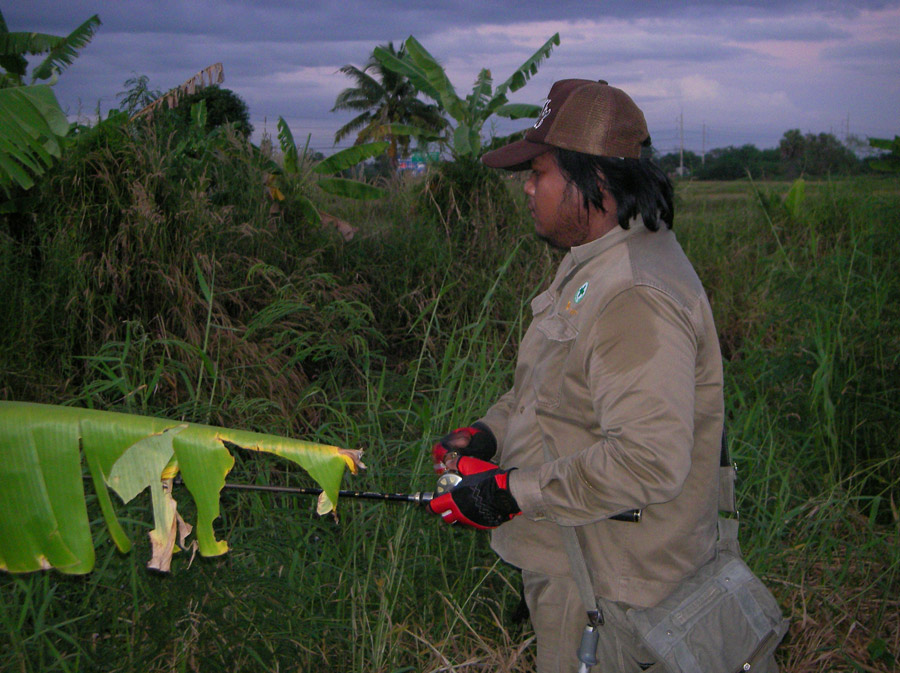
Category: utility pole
[703,151]
[681,151]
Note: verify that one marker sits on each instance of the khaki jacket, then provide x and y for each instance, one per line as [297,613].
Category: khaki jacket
[617,404]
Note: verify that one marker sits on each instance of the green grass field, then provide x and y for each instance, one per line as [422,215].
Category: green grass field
[385,343]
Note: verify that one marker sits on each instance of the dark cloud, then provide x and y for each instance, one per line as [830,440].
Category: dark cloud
[879,51]
[349,20]
[283,56]
[796,30]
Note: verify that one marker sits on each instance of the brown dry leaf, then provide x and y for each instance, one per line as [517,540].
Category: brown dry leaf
[162,539]
[353,458]
[345,229]
[212,74]
[185,529]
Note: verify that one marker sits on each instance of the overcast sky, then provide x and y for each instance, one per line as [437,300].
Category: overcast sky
[736,72]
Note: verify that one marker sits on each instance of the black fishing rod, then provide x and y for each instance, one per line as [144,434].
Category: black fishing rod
[420,498]
[445,484]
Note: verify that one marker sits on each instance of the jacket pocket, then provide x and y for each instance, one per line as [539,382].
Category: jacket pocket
[549,368]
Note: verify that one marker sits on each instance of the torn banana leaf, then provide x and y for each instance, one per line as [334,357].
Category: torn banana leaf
[43,513]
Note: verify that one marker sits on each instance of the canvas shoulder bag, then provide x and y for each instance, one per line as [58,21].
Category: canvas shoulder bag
[722,619]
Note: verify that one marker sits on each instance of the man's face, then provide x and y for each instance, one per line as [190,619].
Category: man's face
[556,206]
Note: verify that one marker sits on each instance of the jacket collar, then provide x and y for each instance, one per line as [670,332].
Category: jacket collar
[582,253]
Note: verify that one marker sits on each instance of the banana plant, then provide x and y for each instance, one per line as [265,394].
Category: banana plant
[43,514]
[32,123]
[298,168]
[469,113]
[32,130]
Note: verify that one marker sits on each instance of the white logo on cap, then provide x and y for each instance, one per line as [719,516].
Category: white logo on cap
[545,112]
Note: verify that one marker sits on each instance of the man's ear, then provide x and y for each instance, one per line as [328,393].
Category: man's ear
[603,188]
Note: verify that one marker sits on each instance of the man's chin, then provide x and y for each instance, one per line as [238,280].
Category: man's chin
[553,243]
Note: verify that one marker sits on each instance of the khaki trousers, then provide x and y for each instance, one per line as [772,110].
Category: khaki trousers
[558,617]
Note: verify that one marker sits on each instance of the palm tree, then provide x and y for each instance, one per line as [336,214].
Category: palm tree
[384,98]
[137,94]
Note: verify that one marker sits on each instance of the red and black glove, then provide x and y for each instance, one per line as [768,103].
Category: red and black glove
[481,500]
[476,440]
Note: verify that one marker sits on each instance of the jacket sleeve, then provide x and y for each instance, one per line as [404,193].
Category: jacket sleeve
[640,368]
[497,416]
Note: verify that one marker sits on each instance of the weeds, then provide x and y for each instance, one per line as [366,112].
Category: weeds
[159,279]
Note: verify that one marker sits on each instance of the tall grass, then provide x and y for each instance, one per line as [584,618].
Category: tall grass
[200,298]
[813,405]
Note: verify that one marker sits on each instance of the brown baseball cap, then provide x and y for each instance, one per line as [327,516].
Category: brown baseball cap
[581,115]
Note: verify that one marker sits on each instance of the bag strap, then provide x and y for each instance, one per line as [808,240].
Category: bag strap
[580,573]
[727,526]
[577,563]
[727,477]
[727,529]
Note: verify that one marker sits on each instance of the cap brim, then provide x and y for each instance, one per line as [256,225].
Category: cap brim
[516,156]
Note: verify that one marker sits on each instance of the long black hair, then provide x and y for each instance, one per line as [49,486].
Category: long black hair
[638,185]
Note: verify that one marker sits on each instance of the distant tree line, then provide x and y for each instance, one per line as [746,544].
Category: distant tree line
[797,154]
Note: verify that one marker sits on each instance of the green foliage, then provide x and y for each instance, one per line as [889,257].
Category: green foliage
[471,113]
[44,516]
[223,106]
[118,229]
[797,155]
[60,51]
[137,94]
[733,163]
[150,281]
[812,154]
[671,162]
[388,106]
[348,158]
[32,124]
[34,128]
[453,193]
[803,317]
[889,163]
[299,171]
[464,194]
[793,202]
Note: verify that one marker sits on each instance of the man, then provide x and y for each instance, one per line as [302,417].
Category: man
[617,402]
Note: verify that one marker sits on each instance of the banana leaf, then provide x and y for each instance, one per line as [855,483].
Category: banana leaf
[518,111]
[288,147]
[406,130]
[427,75]
[349,157]
[415,74]
[63,53]
[436,77]
[530,67]
[32,127]
[43,513]
[480,97]
[463,140]
[351,189]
